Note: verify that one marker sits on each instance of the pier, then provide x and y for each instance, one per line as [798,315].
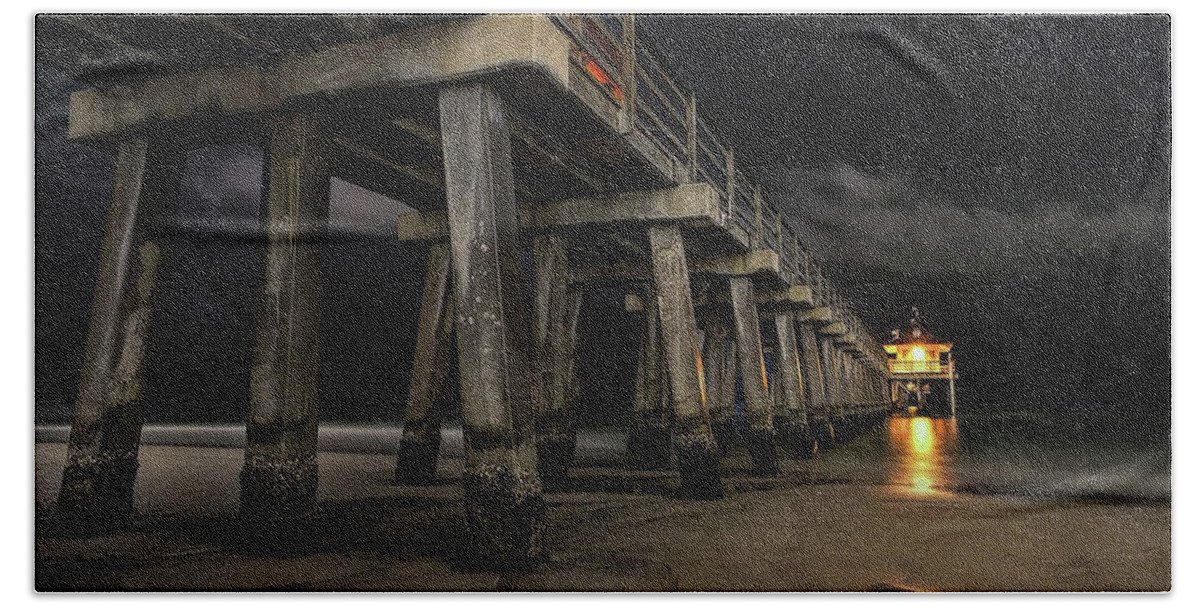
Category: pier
[544,157]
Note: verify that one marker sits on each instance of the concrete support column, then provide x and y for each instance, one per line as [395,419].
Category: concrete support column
[695,449]
[720,370]
[502,493]
[416,463]
[854,403]
[840,391]
[815,383]
[887,391]
[859,404]
[851,385]
[870,390]
[838,394]
[832,375]
[874,388]
[829,373]
[760,433]
[650,435]
[102,456]
[556,311]
[279,476]
[791,420]
[861,399]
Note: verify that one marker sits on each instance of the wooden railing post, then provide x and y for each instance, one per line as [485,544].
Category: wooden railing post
[693,160]
[797,261]
[757,237]
[779,234]
[815,279]
[730,182]
[629,70]
[806,266]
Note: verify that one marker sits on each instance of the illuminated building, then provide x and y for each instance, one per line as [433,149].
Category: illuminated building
[917,364]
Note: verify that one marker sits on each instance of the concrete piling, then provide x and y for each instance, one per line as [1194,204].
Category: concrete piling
[98,479]
[833,393]
[554,316]
[502,492]
[696,451]
[416,463]
[649,441]
[279,475]
[814,368]
[759,431]
[791,420]
[720,367]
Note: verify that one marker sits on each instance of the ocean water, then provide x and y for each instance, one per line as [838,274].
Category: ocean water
[919,457]
[1002,454]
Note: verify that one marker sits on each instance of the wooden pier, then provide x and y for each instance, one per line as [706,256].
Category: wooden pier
[559,140]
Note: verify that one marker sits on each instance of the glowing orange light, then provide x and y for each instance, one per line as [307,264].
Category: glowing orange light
[920,446]
[921,436]
[603,79]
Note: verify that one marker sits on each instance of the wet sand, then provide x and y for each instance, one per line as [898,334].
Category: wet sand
[613,530]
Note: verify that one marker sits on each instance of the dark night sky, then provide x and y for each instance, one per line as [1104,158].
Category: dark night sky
[1008,175]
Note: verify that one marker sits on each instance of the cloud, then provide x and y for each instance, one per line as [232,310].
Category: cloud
[853,218]
[223,184]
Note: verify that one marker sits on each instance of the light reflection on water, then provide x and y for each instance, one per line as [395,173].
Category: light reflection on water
[920,451]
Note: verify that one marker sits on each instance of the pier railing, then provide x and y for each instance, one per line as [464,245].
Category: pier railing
[609,51]
[918,367]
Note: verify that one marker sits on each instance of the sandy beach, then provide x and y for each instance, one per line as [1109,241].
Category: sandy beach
[809,529]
